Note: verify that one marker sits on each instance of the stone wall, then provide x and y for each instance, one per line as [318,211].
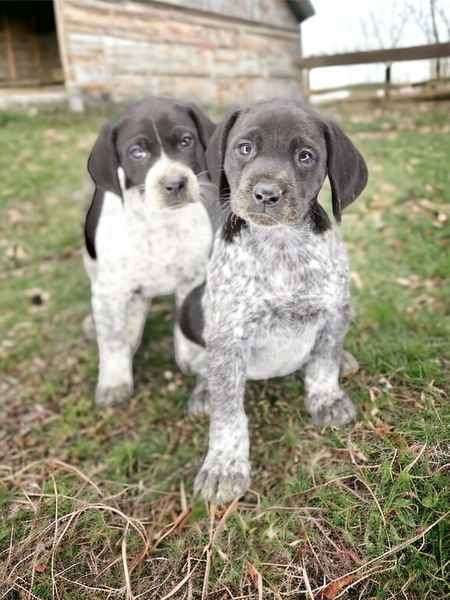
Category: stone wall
[126,50]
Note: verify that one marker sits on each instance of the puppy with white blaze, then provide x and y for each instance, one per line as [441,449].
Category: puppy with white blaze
[276,297]
[147,232]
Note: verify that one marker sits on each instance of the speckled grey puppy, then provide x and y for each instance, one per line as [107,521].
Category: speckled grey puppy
[277,292]
[147,232]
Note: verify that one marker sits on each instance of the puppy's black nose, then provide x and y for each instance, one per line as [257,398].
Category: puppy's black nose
[174,184]
[266,193]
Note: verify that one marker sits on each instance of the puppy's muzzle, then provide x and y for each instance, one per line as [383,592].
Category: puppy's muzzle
[266,195]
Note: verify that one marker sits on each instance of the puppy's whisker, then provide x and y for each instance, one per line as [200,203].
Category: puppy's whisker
[217,167]
[224,199]
[202,173]
[209,191]
[207,184]
[205,197]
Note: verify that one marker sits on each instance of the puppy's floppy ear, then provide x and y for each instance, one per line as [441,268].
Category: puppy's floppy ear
[104,162]
[215,153]
[347,170]
[90,225]
[205,127]
[102,166]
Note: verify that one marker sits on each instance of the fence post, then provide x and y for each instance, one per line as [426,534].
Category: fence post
[387,80]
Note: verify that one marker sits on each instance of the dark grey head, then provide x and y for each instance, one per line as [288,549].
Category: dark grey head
[270,159]
[156,147]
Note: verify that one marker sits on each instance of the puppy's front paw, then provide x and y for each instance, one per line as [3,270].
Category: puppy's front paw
[335,411]
[221,480]
[199,402]
[110,396]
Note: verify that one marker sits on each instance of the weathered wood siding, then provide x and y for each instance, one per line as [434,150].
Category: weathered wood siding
[271,12]
[122,50]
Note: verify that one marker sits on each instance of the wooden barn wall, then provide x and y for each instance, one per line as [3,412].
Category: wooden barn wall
[28,55]
[128,50]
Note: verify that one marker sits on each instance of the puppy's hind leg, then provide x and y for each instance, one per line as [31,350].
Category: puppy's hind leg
[190,346]
[200,400]
[191,358]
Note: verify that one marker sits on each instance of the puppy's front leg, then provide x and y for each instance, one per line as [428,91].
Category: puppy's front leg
[225,473]
[115,380]
[324,399]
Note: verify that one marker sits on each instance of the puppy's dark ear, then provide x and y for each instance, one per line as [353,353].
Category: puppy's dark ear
[205,127]
[215,153]
[347,170]
[104,162]
[90,225]
[102,166]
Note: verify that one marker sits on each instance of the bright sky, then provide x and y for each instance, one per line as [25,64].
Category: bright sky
[347,25]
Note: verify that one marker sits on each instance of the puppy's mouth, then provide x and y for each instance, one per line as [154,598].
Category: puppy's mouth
[177,204]
[262,218]
[281,214]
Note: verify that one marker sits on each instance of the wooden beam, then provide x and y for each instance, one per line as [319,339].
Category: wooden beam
[376,56]
[35,45]
[9,48]
[62,40]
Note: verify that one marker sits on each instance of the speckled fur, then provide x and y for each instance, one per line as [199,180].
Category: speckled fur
[147,241]
[277,293]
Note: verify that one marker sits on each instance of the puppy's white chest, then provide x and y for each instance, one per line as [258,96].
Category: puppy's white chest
[155,249]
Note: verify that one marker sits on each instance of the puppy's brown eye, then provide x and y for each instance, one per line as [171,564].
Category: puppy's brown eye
[305,157]
[186,141]
[245,149]
[139,153]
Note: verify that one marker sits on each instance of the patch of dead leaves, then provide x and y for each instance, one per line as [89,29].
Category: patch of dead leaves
[415,282]
[438,213]
[17,253]
[355,277]
[255,576]
[332,589]
[52,136]
[14,216]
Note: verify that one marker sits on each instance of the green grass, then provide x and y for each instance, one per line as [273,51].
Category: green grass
[99,504]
